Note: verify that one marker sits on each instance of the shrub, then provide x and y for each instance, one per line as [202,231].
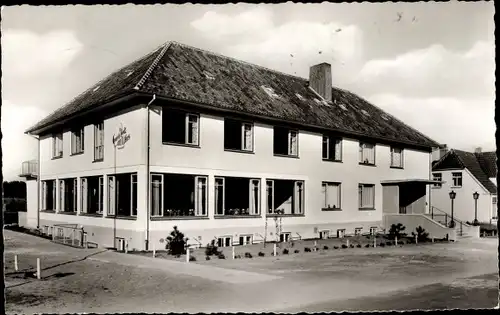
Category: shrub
[335,247]
[237,256]
[221,256]
[344,246]
[367,245]
[388,243]
[211,249]
[351,246]
[207,257]
[325,247]
[176,243]
[192,258]
[422,235]
[261,254]
[382,245]
[358,246]
[307,250]
[396,230]
[248,255]
[409,242]
[296,251]
[285,251]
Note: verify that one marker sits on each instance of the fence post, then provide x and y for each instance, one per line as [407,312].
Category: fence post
[126,246]
[396,241]
[154,251]
[375,242]
[274,249]
[16,268]
[232,253]
[38,269]
[187,254]
[416,239]
[347,243]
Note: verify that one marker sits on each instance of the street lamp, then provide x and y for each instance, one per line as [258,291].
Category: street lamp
[476,197]
[452,197]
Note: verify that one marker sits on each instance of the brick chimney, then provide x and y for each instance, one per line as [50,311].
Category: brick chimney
[320,80]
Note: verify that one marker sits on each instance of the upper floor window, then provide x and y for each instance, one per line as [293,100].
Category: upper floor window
[366,196]
[437,177]
[77,141]
[332,148]
[457,179]
[99,141]
[367,153]
[331,195]
[57,145]
[238,135]
[396,157]
[286,141]
[180,127]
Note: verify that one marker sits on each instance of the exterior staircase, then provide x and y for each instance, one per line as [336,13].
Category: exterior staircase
[444,219]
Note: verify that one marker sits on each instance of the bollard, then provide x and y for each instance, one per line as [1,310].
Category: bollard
[347,243]
[416,239]
[274,249]
[187,254]
[433,239]
[126,246]
[375,242]
[232,247]
[38,269]
[16,268]
[154,251]
[396,242]
[315,243]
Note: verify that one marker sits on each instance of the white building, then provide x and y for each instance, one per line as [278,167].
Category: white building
[223,149]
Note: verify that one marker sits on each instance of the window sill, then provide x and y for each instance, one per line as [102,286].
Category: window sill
[244,216]
[121,217]
[179,218]
[76,153]
[239,151]
[57,157]
[97,215]
[367,164]
[48,211]
[366,209]
[331,209]
[286,156]
[285,215]
[97,160]
[196,146]
[456,187]
[398,167]
[329,160]
[434,187]
[67,213]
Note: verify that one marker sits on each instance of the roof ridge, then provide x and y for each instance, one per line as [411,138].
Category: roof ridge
[152,66]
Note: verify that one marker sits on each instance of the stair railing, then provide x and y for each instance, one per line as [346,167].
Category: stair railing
[446,216]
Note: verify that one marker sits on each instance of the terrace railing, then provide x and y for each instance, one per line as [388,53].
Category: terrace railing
[29,168]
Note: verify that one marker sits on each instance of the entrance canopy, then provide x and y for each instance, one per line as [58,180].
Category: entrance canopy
[411,181]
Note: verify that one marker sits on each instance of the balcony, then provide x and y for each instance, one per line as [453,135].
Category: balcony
[29,169]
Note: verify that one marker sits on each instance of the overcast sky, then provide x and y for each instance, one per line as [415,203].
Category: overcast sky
[429,64]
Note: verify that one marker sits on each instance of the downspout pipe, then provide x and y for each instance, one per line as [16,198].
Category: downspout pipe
[148,176]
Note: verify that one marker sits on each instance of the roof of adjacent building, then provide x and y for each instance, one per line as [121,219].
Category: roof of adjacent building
[180,72]
[481,165]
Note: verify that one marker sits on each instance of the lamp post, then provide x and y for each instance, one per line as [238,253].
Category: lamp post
[476,197]
[452,197]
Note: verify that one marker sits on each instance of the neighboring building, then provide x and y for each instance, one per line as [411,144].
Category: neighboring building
[221,148]
[466,173]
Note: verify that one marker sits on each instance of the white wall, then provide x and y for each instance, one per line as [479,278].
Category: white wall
[464,202]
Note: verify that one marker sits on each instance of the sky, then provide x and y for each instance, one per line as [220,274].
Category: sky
[429,64]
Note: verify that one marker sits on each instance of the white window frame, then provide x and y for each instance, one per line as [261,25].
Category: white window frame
[101,195]
[132,195]
[224,242]
[293,142]
[197,181]
[435,177]
[99,141]
[45,193]
[112,196]
[363,146]
[162,194]
[251,205]
[245,238]
[75,194]
[77,143]
[60,202]
[84,195]
[360,195]
[57,145]
[455,177]
[324,190]
[299,196]
[217,187]
[247,145]
[195,129]
[401,158]
[338,148]
[270,187]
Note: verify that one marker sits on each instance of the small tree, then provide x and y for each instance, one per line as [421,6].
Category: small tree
[212,249]
[176,243]
[396,230]
[422,236]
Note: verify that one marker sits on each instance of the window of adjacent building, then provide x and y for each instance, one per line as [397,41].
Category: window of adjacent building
[366,196]
[238,135]
[245,240]
[457,179]
[373,230]
[494,208]
[67,195]
[237,196]
[285,196]
[57,145]
[285,141]
[285,237]
[92,190]
[437,177]
[179,195]
[180,127]
[357,231]
[325,234]
[224,241]
[77,141]
[341,233]
[122,195]
[49,195]
[330,195]
[367,153]
[397,157]
[332,148]
[99,141]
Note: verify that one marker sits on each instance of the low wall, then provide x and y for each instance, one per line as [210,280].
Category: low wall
[22,219]
[472,231]
[412,221]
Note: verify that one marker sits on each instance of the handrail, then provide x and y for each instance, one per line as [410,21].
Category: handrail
[446,215]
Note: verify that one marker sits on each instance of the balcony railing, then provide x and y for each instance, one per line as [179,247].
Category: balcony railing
[29,168]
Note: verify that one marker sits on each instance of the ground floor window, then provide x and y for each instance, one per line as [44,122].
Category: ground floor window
[494,215]
[285,196]
[245,239]
[224,241]
[341,233]
[49,195]
[122,194]
[237,196]
[92,189]
[325,234]
[67,195]
[357,231]
[366,194]
[285,236]
[174,195]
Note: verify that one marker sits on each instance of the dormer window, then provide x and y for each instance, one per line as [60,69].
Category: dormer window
[270,91]
[300,97]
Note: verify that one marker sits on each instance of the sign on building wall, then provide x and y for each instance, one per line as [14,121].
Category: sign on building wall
[121,137]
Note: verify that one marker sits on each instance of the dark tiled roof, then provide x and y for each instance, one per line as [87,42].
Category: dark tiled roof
[193,75]
[457,159]
[488,163]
